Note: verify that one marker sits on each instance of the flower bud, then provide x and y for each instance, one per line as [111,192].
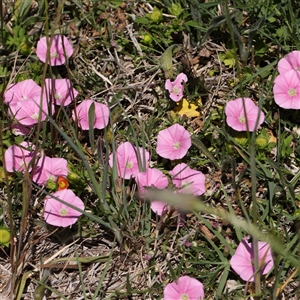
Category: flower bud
[241,138]
[4,236]
[176,9]
[147,39]
[261,142]
[156,15]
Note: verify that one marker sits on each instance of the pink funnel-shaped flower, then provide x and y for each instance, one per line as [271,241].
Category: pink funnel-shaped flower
[151,178]
[156,179]
[18,158]
[127,160]
[242,262]
[286,90]
[22,90]
[176,87]
[59,49]
[236,115]
[50,169]
[59,214]
[289,62]
[173,142]
[29,111]
[188,181]
[19,129]
[101,115]
[185,288]
[60,91]
[158,207]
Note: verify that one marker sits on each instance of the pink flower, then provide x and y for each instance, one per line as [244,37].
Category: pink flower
[158,207]
[176,87]
[101,115]
[62,91]
[19,129]
[22,90]
[127,160]
[59,214]
[185,288]
[18,158]
[59,49]
[27,112]
[152,178]
[50,169]
[289,62]
[236,115]
[287,90]
[188,181]
[173,142]
[242,262]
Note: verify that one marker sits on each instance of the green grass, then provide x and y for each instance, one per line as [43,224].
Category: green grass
[122,250]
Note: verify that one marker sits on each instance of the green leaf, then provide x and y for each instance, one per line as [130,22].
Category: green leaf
[166,61]
[142,20]
[192,24]
[197,143]
[253,31]
[91,126]
[21,9]
[223,280]
[215,22]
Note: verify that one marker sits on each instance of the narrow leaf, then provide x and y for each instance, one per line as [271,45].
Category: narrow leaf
[166,61]
[91,126]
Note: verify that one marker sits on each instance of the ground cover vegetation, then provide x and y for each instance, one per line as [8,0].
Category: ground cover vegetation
[149,149]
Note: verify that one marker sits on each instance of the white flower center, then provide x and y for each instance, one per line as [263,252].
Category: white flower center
[176,145]
[292,92]
[242,119]
[63,212]
[184,297]
[58,96]
[175,90]
[35,116]
[129,165]
[24,97]
[52,177]
[54,54]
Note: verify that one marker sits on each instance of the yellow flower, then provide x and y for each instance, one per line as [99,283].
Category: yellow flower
[189,109]
[4,236]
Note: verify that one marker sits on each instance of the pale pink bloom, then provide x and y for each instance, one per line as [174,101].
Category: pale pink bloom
[236,115]
[286,90]
[176,87]
[289,62]
[186,288]
[127,160]
[50,169]
[242,262]
[27,112]
[101,115]
[151,178]
[187,180]
[156,179]
[58,50]
[22,90]
[59,214]
[173,142]
[158,207]
[19,129]
[61,92]
[19,158]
